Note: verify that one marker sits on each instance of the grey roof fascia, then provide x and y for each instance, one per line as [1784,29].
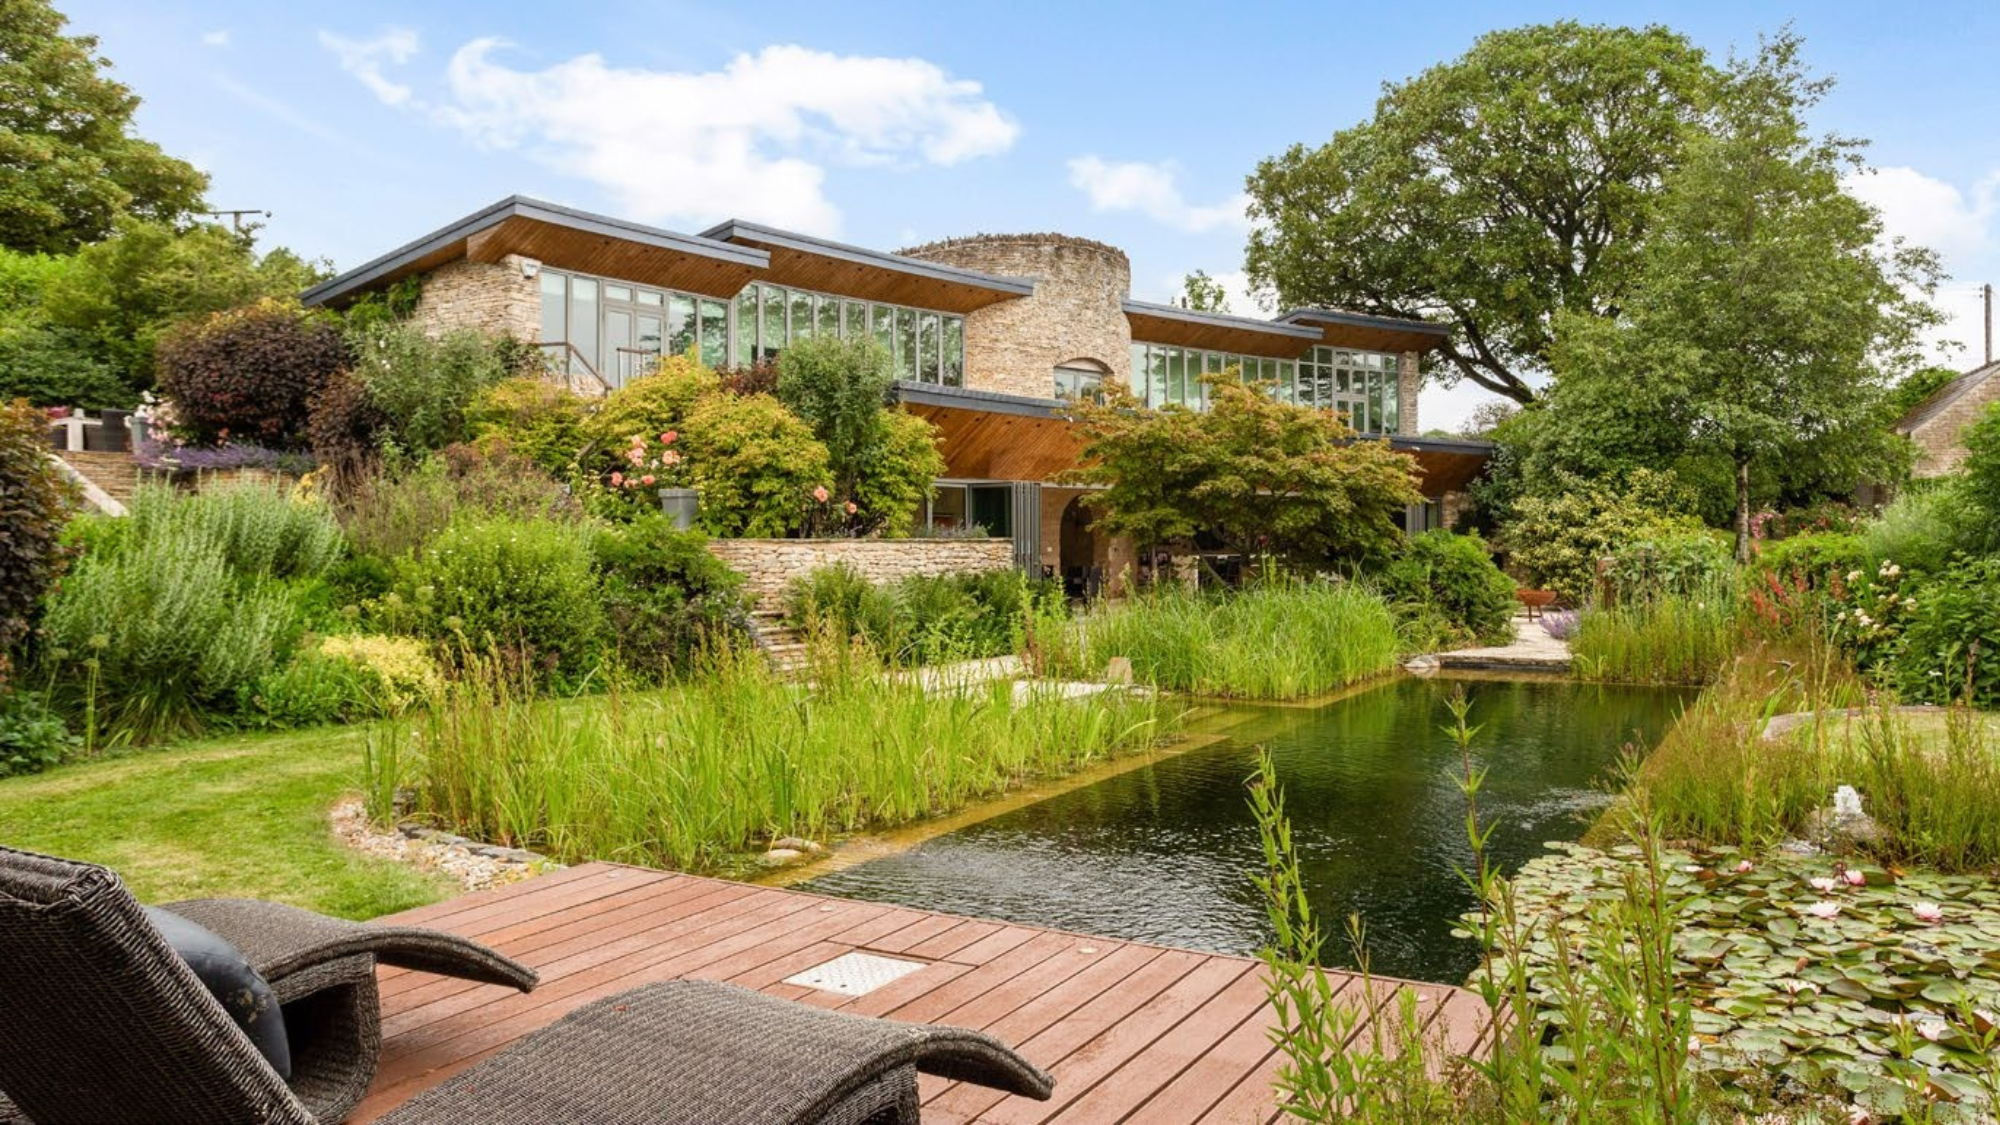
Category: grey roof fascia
[965,398]
[1365,320]
[523,207]
[861,255]
[1220,320]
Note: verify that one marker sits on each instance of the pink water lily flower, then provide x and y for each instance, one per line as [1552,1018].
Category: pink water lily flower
[1855,878]
[1743,867]
[1827,910]
[1929,913]
[1824,884]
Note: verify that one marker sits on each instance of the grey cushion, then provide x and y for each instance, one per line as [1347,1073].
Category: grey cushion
[235,984]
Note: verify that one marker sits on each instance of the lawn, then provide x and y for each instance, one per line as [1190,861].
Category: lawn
[238,816]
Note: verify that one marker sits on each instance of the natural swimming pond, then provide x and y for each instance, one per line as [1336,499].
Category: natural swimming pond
[1164,852]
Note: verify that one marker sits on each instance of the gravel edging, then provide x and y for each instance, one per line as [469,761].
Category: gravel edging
[473,865]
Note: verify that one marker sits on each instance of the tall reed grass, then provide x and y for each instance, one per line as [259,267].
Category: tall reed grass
[1672,638]
[688,776]
[1603,1035]
[1277,639]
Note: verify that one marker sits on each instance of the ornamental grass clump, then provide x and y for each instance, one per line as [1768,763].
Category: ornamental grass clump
[734,757]
[1277,639]
[1671,638]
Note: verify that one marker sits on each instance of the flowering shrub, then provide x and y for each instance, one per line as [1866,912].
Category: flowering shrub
[1871,612]
[1950,644]
[651,404]
[401,669]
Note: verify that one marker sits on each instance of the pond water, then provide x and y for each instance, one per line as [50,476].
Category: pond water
[1163,853]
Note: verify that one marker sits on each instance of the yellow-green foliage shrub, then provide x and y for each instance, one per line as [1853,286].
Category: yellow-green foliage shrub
[755,463]
[648,405]
[537,419]
[403,672]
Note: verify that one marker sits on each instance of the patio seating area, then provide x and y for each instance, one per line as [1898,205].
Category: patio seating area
[1129,1031]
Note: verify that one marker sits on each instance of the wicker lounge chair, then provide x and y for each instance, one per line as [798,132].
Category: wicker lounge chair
[100,1021]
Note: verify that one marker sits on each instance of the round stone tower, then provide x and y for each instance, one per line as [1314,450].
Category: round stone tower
[1075,317]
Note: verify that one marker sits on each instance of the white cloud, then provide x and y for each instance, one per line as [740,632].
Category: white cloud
[751,139]
[1963,226]
[364,59]
[1151,190]
[217,38]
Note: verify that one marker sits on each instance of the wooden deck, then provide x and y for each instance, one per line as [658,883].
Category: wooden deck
[1132,1032]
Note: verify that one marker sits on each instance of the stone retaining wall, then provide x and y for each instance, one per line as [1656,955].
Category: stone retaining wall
[769,565]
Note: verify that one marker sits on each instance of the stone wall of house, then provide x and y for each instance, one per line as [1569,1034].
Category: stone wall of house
[490,296]
[1409,384]
[769,565]
[1076,312]
[1113,555]
[1940,440]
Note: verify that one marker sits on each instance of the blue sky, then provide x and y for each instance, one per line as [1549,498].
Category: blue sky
[363,124]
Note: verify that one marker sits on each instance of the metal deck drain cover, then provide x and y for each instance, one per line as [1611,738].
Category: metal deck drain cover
[855,974]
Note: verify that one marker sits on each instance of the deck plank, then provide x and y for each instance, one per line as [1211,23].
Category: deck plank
[1132,1032]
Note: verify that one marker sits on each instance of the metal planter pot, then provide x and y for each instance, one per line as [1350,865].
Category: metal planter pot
[680,505]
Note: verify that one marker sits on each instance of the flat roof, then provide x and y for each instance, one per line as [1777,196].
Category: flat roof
[1363,320]
[735,231]
[455,240]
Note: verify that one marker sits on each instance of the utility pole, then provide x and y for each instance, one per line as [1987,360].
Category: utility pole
[1986,294]
[236,220]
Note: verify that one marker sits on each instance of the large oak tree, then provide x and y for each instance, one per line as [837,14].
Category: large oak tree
[1492,192]
[1768,310]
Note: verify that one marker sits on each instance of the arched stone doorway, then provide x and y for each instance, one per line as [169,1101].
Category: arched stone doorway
[1082,564]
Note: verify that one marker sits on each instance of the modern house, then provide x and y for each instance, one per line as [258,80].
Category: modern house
[1937,424]
[989,334]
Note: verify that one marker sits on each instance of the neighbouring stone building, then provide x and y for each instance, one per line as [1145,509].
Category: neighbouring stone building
[991,336]
[1937,424]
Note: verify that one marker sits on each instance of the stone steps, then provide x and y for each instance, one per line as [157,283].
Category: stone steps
[116,473]
[782,645]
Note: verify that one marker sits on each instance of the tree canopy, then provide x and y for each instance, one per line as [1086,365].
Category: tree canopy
[1255,475]
[1766,308]
[117,296]
[1492,192]
[1203,293]
[69,162]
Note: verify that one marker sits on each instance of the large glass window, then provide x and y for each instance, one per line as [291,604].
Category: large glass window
[714,333]
[555,308]
[1081,381]
[680,325]
[1361,386]
[745,351]
[598,317]
[771,340]
[906,344]
[802,317]
[954,352]
[583,315]
[928,333]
